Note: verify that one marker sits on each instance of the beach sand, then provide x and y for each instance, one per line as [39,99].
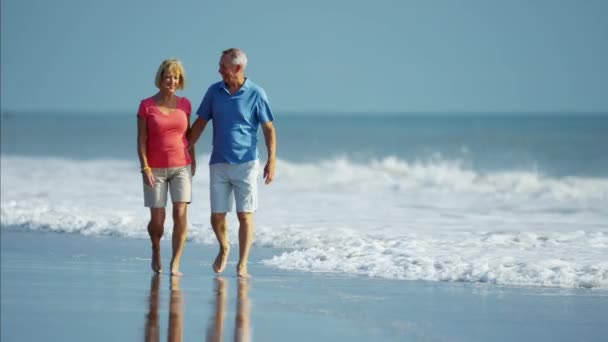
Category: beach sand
[68,287]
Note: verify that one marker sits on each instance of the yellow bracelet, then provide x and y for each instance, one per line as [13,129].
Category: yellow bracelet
[144,169]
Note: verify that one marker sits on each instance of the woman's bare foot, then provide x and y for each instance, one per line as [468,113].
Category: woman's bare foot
[241,271]
[156,267]
[175,271]
[220,260]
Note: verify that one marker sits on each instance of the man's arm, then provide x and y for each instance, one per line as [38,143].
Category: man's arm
[195,131]
[271,147]
[191,151]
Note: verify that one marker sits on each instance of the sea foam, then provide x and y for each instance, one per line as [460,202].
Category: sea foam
[390,218]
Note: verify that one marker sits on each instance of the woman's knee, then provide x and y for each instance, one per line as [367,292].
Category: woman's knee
[179,211]
[157,216]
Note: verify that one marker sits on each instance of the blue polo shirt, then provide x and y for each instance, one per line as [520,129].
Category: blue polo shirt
[236,119]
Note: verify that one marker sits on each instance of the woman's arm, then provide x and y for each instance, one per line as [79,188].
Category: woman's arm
[142,138]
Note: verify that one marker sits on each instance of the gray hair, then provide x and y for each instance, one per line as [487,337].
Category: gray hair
[237,56]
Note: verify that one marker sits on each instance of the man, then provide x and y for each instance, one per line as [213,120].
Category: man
[237,107]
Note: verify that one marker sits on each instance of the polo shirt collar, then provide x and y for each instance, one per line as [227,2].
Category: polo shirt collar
[246,85]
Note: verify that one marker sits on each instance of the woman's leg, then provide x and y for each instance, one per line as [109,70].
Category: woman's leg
[180,210]
[155,230]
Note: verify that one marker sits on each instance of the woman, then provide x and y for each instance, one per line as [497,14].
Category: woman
[167,164]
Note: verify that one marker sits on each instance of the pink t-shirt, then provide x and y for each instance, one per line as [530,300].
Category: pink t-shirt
[167,145]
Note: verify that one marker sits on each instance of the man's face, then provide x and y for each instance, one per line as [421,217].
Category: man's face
[227,69]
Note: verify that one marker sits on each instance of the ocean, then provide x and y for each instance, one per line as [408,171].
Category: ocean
[498,198]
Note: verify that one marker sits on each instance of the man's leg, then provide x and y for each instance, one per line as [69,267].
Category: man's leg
[245,238]
[155,230]
[179,235]
[245,193]
[218,222]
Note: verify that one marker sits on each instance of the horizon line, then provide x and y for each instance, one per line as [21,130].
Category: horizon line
[321,111]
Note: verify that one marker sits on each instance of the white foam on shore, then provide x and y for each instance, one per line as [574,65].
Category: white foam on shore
[394,219]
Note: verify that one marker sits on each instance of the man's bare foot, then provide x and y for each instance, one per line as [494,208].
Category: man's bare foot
[220,261]
[241,271]
[156,267]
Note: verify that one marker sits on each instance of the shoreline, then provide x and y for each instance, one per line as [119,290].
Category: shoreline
[104,287]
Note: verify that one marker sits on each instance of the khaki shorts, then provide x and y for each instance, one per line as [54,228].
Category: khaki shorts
[178,180]
[230,183]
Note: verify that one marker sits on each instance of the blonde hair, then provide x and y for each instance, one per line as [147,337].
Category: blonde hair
[174,65]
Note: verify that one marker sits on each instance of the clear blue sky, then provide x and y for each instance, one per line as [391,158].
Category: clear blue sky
[314,55]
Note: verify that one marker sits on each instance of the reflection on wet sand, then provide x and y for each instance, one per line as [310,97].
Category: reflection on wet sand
[175,312]
[216,324]
[241,322]
[152,316]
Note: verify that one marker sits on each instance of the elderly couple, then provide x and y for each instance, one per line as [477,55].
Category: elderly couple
[165,144]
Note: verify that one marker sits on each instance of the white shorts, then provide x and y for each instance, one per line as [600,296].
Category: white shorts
[234,183]
[178,180]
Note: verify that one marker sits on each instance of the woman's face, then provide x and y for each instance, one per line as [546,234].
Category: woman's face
[170,81]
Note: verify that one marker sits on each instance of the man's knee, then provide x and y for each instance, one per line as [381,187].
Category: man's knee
[217,218]
[244,217]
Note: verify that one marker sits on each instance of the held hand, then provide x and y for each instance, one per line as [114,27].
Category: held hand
[190,143]
[269,171]
[149,178]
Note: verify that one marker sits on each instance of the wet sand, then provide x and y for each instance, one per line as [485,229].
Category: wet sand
[65,287]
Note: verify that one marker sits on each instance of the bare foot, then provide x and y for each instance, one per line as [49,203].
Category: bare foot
[175,271]
[220,260]
[156,267]
[241,271]
[175,268]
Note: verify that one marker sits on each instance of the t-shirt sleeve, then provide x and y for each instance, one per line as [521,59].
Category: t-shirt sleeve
[187,106]
[264,113]
[204,110]
[143,110]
